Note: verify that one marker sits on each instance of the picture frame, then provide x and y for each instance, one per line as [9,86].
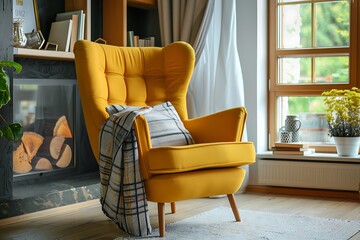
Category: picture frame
[51,46]
[101,41]
[35,40]
[26,11]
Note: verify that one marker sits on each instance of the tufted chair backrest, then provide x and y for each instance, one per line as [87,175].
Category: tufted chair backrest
[130,76]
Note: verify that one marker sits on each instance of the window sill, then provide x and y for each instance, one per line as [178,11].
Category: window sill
[316,157]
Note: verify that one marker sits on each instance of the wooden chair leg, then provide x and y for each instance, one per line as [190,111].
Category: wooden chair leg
[234,208]
[161,216]
[173,207]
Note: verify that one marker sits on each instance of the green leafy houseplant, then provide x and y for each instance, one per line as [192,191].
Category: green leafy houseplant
[343,112]
[11,131]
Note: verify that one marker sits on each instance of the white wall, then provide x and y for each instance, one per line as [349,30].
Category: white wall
[252,47]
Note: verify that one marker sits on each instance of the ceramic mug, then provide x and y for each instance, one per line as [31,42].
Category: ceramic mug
[285,137]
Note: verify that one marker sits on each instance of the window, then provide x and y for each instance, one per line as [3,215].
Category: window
[312,48]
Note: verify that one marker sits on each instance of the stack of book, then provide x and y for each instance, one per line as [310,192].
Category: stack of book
[135,41]
[301,149]
[67,29]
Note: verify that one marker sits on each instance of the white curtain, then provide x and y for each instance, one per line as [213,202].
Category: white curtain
[217,82]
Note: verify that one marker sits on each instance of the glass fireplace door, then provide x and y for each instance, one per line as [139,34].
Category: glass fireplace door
[46,109]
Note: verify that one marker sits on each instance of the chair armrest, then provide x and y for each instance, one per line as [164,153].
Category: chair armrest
[224,126]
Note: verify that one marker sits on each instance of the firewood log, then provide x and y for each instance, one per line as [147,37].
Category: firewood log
[65,157]
[62,128]
[56,145]
[40,163]
[32,142]
[53,127]
[21,160]
[51,147]
[57,150]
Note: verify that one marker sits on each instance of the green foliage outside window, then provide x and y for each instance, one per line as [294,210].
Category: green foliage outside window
[332,21]
[306,105]
[332,30]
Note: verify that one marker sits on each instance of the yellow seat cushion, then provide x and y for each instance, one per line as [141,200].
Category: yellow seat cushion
[200,156]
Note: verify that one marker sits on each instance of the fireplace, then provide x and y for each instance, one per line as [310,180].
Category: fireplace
[45,100]
[47,110]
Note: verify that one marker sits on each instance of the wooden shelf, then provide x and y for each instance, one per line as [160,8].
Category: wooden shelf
[70,5]
[43,54]
[142,3]
[115,19]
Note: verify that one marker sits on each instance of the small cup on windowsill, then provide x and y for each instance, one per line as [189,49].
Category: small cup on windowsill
[285,137]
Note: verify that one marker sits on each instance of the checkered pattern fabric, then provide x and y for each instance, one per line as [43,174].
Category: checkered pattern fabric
[123,196]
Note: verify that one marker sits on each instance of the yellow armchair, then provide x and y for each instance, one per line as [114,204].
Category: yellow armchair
[150,76]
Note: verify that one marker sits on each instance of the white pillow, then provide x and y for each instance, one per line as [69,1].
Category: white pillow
[165,125]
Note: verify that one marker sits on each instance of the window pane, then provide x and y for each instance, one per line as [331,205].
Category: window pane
[332,69]
[294,24]
[294,70]
[310,111]
[332,24]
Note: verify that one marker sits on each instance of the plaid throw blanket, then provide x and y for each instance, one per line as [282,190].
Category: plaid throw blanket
[123,196]
[122,189]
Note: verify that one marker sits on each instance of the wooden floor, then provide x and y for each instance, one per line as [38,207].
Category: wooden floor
[86,220]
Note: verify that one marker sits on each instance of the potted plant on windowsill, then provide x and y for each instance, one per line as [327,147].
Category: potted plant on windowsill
[10,133]
[343,116]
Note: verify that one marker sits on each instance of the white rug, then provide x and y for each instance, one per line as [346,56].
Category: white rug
[219,224]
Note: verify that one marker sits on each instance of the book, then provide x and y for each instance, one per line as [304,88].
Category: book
[151,41]
[287,148]
[130,39]
[326,148]
[60,33]
[74,28]
[291,145]
[142,42]
[81,21]
[136,41]
[82,26]
[303,152]
[73,37]
[85,5]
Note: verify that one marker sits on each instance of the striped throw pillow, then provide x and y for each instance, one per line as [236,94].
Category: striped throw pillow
[165,125]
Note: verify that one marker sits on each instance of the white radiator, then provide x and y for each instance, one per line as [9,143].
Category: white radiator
[335,176]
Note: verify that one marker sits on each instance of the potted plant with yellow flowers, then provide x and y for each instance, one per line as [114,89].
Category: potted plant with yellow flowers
[343,116]
[10,133]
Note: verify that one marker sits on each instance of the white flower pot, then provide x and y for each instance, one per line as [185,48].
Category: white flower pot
[347,146]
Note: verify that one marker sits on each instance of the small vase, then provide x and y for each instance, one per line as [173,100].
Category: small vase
[19,38]
[347,146]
